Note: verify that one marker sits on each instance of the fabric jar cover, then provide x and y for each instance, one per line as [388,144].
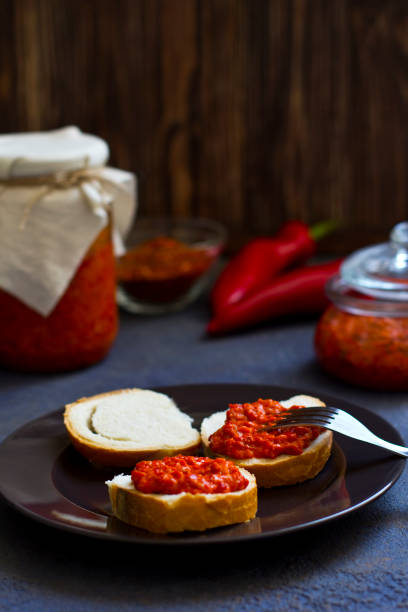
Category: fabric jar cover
[55,193]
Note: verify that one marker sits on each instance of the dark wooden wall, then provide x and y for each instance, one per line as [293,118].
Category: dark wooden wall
[247,111]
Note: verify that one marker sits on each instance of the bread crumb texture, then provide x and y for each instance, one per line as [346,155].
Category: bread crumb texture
[121,427]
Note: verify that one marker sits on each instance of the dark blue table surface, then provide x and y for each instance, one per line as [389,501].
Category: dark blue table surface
[359,562]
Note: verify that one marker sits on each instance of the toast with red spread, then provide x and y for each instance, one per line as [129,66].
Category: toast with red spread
[283,456]
[182,493]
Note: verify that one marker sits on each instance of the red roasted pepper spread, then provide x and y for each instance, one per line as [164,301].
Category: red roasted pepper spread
[367,351]
[80,329]
[161,269]
[240,437]
[188,474]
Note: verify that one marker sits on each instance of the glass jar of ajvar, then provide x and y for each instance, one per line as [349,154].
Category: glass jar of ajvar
[57,275]
[362,338]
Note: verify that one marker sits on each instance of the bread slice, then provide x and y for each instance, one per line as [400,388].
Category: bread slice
[284,469]
[184,511]
[122,427]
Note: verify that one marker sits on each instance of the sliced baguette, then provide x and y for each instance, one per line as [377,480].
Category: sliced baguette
[122,427]
[181,512]
[285,469]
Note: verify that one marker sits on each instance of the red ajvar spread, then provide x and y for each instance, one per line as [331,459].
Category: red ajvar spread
[80,329]
[188,474]
[364,350]
[161,269]
[240,436]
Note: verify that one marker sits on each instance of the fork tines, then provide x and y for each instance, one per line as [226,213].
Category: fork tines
[314,415]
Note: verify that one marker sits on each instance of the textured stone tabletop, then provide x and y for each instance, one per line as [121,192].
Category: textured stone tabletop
[358,562]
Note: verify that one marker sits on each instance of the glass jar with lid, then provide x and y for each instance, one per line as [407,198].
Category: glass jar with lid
[57,274]
[362,338]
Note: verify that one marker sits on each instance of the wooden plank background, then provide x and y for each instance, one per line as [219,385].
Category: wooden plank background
[247,111]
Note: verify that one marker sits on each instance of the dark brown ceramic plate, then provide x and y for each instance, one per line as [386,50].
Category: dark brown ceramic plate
[42,476]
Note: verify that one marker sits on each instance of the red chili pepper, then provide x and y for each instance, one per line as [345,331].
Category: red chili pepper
[259,261]
[299,291]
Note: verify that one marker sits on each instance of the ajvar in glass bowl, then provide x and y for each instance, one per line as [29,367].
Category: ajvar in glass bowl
[168,263]
[362,337]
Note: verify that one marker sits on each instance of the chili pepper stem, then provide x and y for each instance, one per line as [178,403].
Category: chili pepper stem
[322,229]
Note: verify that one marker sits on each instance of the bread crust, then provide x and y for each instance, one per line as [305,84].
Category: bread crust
[284,469]
[104,454]
[185,511]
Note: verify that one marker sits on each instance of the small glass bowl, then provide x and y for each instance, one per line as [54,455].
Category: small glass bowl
[167,263]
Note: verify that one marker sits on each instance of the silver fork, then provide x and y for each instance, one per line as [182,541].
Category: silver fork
[337,420]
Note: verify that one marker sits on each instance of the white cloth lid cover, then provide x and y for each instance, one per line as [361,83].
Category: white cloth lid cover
[37,153]
[38,260]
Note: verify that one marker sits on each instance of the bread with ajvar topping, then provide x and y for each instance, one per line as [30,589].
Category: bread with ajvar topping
[161,513]
[122,427]
[284,469]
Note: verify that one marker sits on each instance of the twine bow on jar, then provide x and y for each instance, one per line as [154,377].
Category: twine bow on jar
[88,181]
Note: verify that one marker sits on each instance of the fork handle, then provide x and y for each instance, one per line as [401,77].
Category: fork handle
[395,448]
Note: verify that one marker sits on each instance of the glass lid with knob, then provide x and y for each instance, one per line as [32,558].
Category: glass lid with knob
[379,274]
[381,270]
